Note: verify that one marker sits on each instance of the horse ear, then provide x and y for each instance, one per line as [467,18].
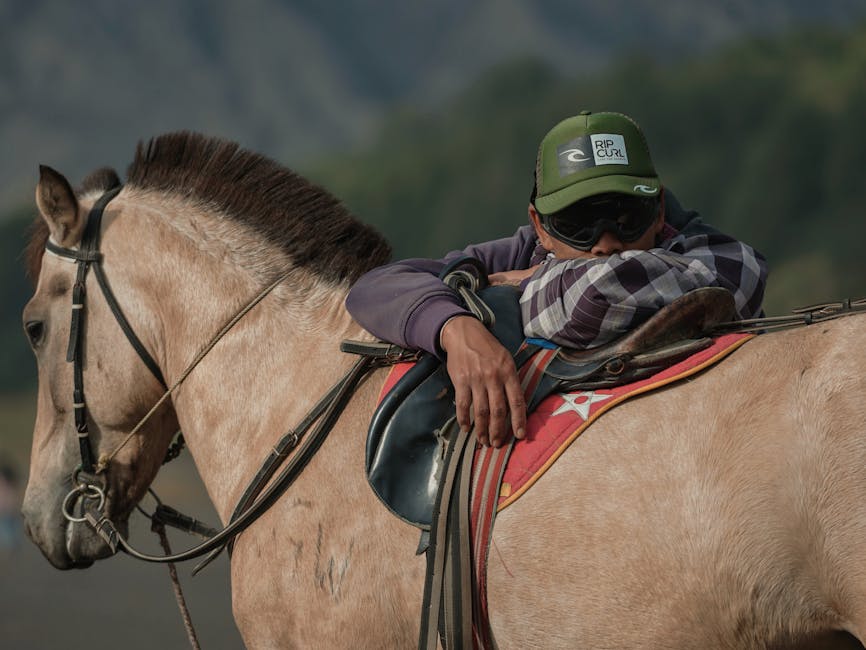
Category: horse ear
[59,207]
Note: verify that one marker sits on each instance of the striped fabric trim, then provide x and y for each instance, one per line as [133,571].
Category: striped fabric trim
[488,467]
[513,489]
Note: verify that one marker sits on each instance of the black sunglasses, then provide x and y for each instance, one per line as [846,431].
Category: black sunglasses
[582,224]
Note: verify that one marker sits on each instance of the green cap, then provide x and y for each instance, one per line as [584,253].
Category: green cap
[589,154]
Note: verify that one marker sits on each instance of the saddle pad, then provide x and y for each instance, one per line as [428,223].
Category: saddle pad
[561,418]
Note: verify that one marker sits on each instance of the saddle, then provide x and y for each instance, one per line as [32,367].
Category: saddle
[408,437]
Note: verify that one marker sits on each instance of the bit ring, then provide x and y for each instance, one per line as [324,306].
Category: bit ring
[92,492]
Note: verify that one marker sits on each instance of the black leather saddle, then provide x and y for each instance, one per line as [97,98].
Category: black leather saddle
[407,437]
[406,441]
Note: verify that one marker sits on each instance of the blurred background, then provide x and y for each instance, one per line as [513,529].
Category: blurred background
[425,122]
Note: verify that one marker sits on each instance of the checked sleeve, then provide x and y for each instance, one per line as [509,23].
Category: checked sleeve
[585,303]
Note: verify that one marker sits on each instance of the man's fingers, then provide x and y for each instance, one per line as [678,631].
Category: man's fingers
[463,403]
[481,411]
[485,381]
[516,406]
[498,428]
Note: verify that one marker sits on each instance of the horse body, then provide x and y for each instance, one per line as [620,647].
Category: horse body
[709,514]
[721,512]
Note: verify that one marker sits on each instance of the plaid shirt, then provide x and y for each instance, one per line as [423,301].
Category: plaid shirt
[585,303]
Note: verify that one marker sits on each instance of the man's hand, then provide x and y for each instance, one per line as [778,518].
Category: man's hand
[512,278]
[485,381]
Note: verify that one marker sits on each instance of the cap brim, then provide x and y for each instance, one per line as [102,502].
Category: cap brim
[634,185]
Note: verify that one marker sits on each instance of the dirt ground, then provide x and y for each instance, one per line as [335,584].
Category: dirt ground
[119,602]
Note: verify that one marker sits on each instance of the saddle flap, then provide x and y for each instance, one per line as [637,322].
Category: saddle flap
[406,441]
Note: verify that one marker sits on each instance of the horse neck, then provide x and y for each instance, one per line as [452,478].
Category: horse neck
[261,378]
[268,374]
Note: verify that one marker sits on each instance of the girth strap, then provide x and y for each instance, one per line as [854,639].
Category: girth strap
[447,606]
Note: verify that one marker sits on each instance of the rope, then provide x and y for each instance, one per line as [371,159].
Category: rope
[159,528]
[105,459]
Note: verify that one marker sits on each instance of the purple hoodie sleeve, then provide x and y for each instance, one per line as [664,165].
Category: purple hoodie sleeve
[406,303]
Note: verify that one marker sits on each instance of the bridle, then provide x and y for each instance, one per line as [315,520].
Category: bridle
[86,256]
[88,479]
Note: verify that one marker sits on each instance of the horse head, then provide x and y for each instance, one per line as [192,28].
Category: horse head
[118,389]
[199,228]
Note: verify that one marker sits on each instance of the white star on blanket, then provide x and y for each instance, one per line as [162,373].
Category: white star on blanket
[588,398]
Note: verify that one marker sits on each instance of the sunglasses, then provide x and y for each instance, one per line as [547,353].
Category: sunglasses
[582,224]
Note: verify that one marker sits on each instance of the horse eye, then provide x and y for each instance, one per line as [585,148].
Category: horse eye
[35,331]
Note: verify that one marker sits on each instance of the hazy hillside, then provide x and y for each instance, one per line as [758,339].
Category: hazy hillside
[80,83]
[764,138]
[18,370]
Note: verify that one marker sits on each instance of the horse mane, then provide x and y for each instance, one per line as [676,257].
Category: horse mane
[315,230]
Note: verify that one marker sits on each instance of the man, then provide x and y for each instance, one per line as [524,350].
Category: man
[607,247]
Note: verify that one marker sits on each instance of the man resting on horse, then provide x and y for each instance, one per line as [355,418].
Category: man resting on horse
[606,248]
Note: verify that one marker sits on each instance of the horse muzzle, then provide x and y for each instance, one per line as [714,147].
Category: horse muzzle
[60,531]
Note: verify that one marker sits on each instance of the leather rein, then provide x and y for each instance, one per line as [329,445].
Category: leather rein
[89,483]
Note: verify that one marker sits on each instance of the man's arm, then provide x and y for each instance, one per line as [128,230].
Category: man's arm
[586,303]
[406,303]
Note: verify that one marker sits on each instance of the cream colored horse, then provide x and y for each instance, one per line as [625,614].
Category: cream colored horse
[725,512]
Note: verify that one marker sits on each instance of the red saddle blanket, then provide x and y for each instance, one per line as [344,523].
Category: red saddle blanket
[562,417]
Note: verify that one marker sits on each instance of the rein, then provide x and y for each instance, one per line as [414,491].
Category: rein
[345,388]
[799,317]
[104,460]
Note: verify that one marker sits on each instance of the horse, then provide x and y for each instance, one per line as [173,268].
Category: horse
[726,511]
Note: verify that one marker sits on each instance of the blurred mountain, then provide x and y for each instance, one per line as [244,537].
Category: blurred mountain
[763,137]
[80,83]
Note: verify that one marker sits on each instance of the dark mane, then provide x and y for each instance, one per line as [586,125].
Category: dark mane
[101,180]
[313,227]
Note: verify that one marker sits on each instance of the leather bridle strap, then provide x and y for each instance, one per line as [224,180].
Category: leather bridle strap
[85,256]
[380,354]
[278,454]
[326,412]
